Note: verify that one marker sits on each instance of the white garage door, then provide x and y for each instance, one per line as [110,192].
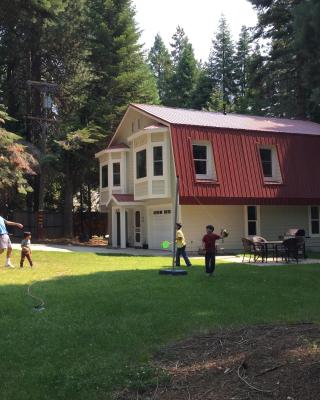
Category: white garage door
[160,226]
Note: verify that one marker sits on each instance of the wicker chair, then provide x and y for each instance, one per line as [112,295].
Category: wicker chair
[291,249]
[259,248]
[247,248]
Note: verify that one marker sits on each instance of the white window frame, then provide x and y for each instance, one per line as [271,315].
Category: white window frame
[274,178]
[153,145]
[246,220]
[120,174]
[310,222]
[210,164]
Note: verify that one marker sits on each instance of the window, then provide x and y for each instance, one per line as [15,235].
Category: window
[200,159]
[141,164]
[104,176]
[252,220]
[116,174]
[315,220]
[266,161]
[157,161]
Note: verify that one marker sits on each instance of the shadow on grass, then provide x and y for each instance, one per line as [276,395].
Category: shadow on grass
[95,327]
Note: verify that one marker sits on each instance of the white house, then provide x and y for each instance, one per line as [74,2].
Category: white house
[250,175]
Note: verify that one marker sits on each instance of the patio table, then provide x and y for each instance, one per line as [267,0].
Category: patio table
[274,246]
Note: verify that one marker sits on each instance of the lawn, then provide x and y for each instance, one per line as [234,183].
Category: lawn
[105,315]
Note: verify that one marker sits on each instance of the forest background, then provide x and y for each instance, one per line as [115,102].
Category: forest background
[88,52]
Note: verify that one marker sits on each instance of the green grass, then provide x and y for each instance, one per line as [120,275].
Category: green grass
[105,316]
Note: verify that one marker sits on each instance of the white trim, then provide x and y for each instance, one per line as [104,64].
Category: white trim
[120,150]
[100,153]
[314,235]
[135,108]
[146,131]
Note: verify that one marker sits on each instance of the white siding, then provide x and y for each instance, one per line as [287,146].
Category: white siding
[276,220]
[195,219]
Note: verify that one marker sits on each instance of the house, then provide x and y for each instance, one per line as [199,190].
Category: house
[250,175]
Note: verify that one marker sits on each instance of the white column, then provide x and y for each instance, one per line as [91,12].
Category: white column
[114,227]
[123,227]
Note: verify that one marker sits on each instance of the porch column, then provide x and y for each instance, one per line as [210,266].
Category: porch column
[123,228]
[114,228]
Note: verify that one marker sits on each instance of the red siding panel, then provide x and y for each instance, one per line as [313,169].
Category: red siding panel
[238,167]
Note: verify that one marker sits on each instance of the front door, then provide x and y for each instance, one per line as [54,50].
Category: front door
[137,228]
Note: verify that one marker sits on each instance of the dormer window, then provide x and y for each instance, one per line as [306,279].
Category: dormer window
[203,161]
[270,164]
[266,161]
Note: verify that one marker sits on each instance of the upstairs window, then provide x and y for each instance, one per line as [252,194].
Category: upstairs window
[200,158]
[116,174]
[315,220]
[104,176]
[203,161]
[158,161]
[266,161]
[141,164]
[270,164]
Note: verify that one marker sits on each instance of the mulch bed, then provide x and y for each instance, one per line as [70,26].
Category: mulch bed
[259,362]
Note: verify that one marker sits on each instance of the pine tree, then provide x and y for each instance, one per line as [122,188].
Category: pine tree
[179,41]
[221,62]
[184,77]
[241,73]
[307,42]
[120,73]
[283,65]
[160,63]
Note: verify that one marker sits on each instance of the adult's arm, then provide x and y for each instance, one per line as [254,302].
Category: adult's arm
[11,223]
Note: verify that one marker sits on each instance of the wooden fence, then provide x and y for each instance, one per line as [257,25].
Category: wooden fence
[88,223]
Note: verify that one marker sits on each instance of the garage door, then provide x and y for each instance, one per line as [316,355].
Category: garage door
[160,227]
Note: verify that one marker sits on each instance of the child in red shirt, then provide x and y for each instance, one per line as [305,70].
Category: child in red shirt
[209,244]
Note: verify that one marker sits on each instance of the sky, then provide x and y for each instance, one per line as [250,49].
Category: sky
[198,18]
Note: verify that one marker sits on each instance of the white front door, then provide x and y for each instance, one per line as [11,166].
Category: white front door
[161,226]
[137,228]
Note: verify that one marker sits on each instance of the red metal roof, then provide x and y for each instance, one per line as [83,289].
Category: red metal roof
[238,167]
[124,198]
[180,116]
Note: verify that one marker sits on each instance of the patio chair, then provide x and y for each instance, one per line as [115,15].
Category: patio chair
[247,248]
[291,249]
[259,248]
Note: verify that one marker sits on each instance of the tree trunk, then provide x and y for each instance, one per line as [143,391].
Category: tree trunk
[68,203]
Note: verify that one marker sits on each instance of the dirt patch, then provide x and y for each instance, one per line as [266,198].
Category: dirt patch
[260,362]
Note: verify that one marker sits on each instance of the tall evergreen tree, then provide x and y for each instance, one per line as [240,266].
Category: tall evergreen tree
[221,62]
[120,73]
[160,63]
[283,65]
[307,42]
[185,74]
[179,41]
[241,72]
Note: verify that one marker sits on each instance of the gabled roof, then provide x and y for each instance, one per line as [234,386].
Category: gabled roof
[117,146]
[179,116]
